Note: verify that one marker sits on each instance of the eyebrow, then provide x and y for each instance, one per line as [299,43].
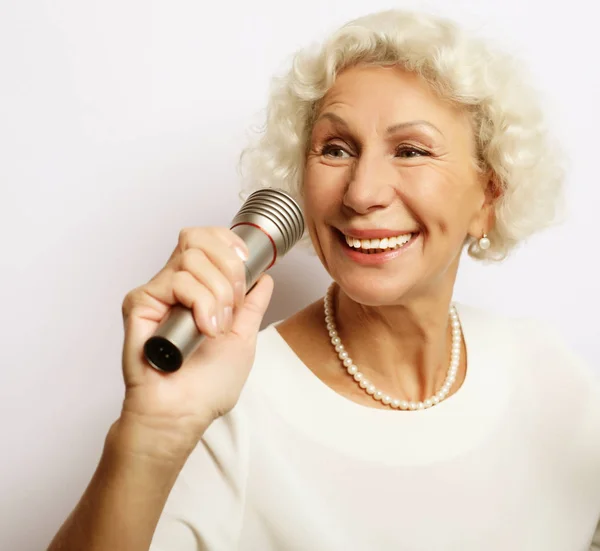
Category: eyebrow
[389,130]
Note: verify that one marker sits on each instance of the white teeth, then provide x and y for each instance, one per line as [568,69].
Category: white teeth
[380,244]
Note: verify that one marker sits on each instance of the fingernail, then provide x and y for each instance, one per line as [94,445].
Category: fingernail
[228,318]
[214,325]
[240,252]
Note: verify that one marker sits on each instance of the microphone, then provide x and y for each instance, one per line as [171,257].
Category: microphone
[270,222]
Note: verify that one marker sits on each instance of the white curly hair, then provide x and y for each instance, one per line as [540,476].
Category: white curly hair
[509,126]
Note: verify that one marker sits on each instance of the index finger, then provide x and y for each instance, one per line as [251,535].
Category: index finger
[194,237]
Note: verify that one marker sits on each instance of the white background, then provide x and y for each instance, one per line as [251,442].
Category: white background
[121,122]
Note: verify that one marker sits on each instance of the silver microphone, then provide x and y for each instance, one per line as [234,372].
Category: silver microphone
[270,222]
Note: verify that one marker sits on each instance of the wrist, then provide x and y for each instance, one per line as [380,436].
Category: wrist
[161,444]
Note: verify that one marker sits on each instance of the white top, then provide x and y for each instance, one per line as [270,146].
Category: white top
[509,462]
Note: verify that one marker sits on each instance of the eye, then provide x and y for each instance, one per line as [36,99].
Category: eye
[334,151]
[409,152]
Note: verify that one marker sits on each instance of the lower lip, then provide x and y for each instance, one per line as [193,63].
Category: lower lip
[373,259]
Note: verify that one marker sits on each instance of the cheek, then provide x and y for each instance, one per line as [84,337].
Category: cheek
[315,212]
[314,196]
[440,199]
[323,188]
[425,191]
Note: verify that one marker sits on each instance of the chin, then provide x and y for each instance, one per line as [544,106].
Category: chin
[374,290]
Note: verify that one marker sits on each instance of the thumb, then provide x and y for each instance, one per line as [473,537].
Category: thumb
[247,320]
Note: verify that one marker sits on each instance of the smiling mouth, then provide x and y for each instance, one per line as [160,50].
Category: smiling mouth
[377,246]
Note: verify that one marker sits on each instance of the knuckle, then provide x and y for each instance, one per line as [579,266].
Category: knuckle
[190,259]
[218,230]
[212,233]
[180,285]
[127,304]
[190,235]
[184,238]
[131,300]
[180,279]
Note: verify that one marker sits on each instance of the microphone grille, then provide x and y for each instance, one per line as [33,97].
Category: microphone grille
[280,209]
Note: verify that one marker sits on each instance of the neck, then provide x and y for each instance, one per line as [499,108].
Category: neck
[404,348]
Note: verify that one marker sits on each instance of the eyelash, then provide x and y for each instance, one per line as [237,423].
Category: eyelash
[328,148]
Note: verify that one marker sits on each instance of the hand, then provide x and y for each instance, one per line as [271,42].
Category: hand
[205,273]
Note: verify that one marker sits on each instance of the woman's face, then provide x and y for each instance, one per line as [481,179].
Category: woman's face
[390,187]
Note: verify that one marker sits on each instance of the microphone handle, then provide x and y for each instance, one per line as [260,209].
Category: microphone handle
[177,336]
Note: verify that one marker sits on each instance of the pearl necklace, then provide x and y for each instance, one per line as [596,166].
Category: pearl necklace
[369,387]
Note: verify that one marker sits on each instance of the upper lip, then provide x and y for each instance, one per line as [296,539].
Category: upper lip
[373,233]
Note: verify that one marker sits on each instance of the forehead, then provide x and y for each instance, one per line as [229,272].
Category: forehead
[384,95]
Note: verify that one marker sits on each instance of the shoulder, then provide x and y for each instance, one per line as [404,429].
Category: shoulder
[554,381]
[556,392]
[536,355]
[535,341]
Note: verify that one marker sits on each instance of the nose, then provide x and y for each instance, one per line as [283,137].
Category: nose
[370,185]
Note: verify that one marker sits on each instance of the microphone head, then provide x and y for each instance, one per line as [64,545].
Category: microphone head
[270,222]
[276,213]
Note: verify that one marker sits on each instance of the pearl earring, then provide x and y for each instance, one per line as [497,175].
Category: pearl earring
[484,242]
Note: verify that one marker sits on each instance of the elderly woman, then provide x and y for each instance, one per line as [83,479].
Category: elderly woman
[384,416]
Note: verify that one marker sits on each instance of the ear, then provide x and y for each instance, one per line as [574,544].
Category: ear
[493,186]
[485,217]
